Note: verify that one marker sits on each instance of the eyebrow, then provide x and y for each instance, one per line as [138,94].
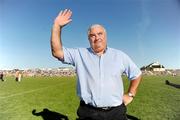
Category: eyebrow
[95,33]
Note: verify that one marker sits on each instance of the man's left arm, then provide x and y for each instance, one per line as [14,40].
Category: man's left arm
[129,96]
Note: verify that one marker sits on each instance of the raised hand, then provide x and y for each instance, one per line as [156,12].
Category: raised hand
[63,18]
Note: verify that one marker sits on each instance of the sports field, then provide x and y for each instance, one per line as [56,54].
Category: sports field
[57,95]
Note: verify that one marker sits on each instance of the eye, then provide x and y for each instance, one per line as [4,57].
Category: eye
[100,33]
[92,35]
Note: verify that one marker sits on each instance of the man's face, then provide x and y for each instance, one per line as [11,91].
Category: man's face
[97,39]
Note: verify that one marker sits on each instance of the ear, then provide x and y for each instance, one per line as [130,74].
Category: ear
[89,38]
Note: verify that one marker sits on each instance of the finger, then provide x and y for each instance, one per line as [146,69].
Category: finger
[69,11]
[60,13]
[69,20]
[125,104]
[64,12]
[69,14]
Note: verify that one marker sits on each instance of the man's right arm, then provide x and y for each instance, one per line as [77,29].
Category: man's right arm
[56,44]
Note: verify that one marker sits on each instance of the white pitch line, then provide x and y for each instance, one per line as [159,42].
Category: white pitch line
[17,94]
[22,93]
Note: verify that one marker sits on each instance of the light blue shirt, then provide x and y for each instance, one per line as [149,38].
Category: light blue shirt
[99,77]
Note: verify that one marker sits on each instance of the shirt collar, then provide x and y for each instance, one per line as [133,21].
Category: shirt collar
[92,51]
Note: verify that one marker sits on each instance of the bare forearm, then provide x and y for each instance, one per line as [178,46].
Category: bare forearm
[63,18]
[134,85]
[56,43]
[128,97]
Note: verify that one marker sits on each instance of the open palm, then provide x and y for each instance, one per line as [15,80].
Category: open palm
[63,18]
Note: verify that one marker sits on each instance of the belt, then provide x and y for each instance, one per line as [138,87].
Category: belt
[82,103]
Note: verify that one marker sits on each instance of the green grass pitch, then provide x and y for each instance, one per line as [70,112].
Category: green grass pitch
[154,100]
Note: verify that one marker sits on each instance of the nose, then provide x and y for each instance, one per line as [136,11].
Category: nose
[96,37]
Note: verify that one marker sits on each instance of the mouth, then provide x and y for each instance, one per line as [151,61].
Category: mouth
[98,41]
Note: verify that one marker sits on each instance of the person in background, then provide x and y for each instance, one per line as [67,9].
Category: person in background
[2,76]
[99,69]
[18,75]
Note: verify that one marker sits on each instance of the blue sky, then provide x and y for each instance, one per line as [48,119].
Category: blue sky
[147,30]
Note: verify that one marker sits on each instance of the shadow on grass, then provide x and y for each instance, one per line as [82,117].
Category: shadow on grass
[50,115]
[172,84]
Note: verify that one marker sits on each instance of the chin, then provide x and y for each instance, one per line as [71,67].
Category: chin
[98,50]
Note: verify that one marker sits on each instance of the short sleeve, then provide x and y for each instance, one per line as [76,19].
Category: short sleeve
[69,56]
[131,70]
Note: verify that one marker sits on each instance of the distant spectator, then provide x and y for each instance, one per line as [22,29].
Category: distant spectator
[18,76]
[2,76]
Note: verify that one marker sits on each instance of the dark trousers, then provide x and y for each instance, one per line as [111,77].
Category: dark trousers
[16,79]
[87,112]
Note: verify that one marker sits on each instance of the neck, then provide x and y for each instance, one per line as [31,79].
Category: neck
[99,53]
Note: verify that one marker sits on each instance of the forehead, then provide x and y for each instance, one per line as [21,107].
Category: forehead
[96,29]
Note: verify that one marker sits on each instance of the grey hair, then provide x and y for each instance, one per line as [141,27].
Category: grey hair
[95,25]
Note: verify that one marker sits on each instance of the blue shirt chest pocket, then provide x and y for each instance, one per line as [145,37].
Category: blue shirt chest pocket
[113,70]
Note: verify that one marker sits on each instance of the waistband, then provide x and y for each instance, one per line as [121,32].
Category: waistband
[82,103]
